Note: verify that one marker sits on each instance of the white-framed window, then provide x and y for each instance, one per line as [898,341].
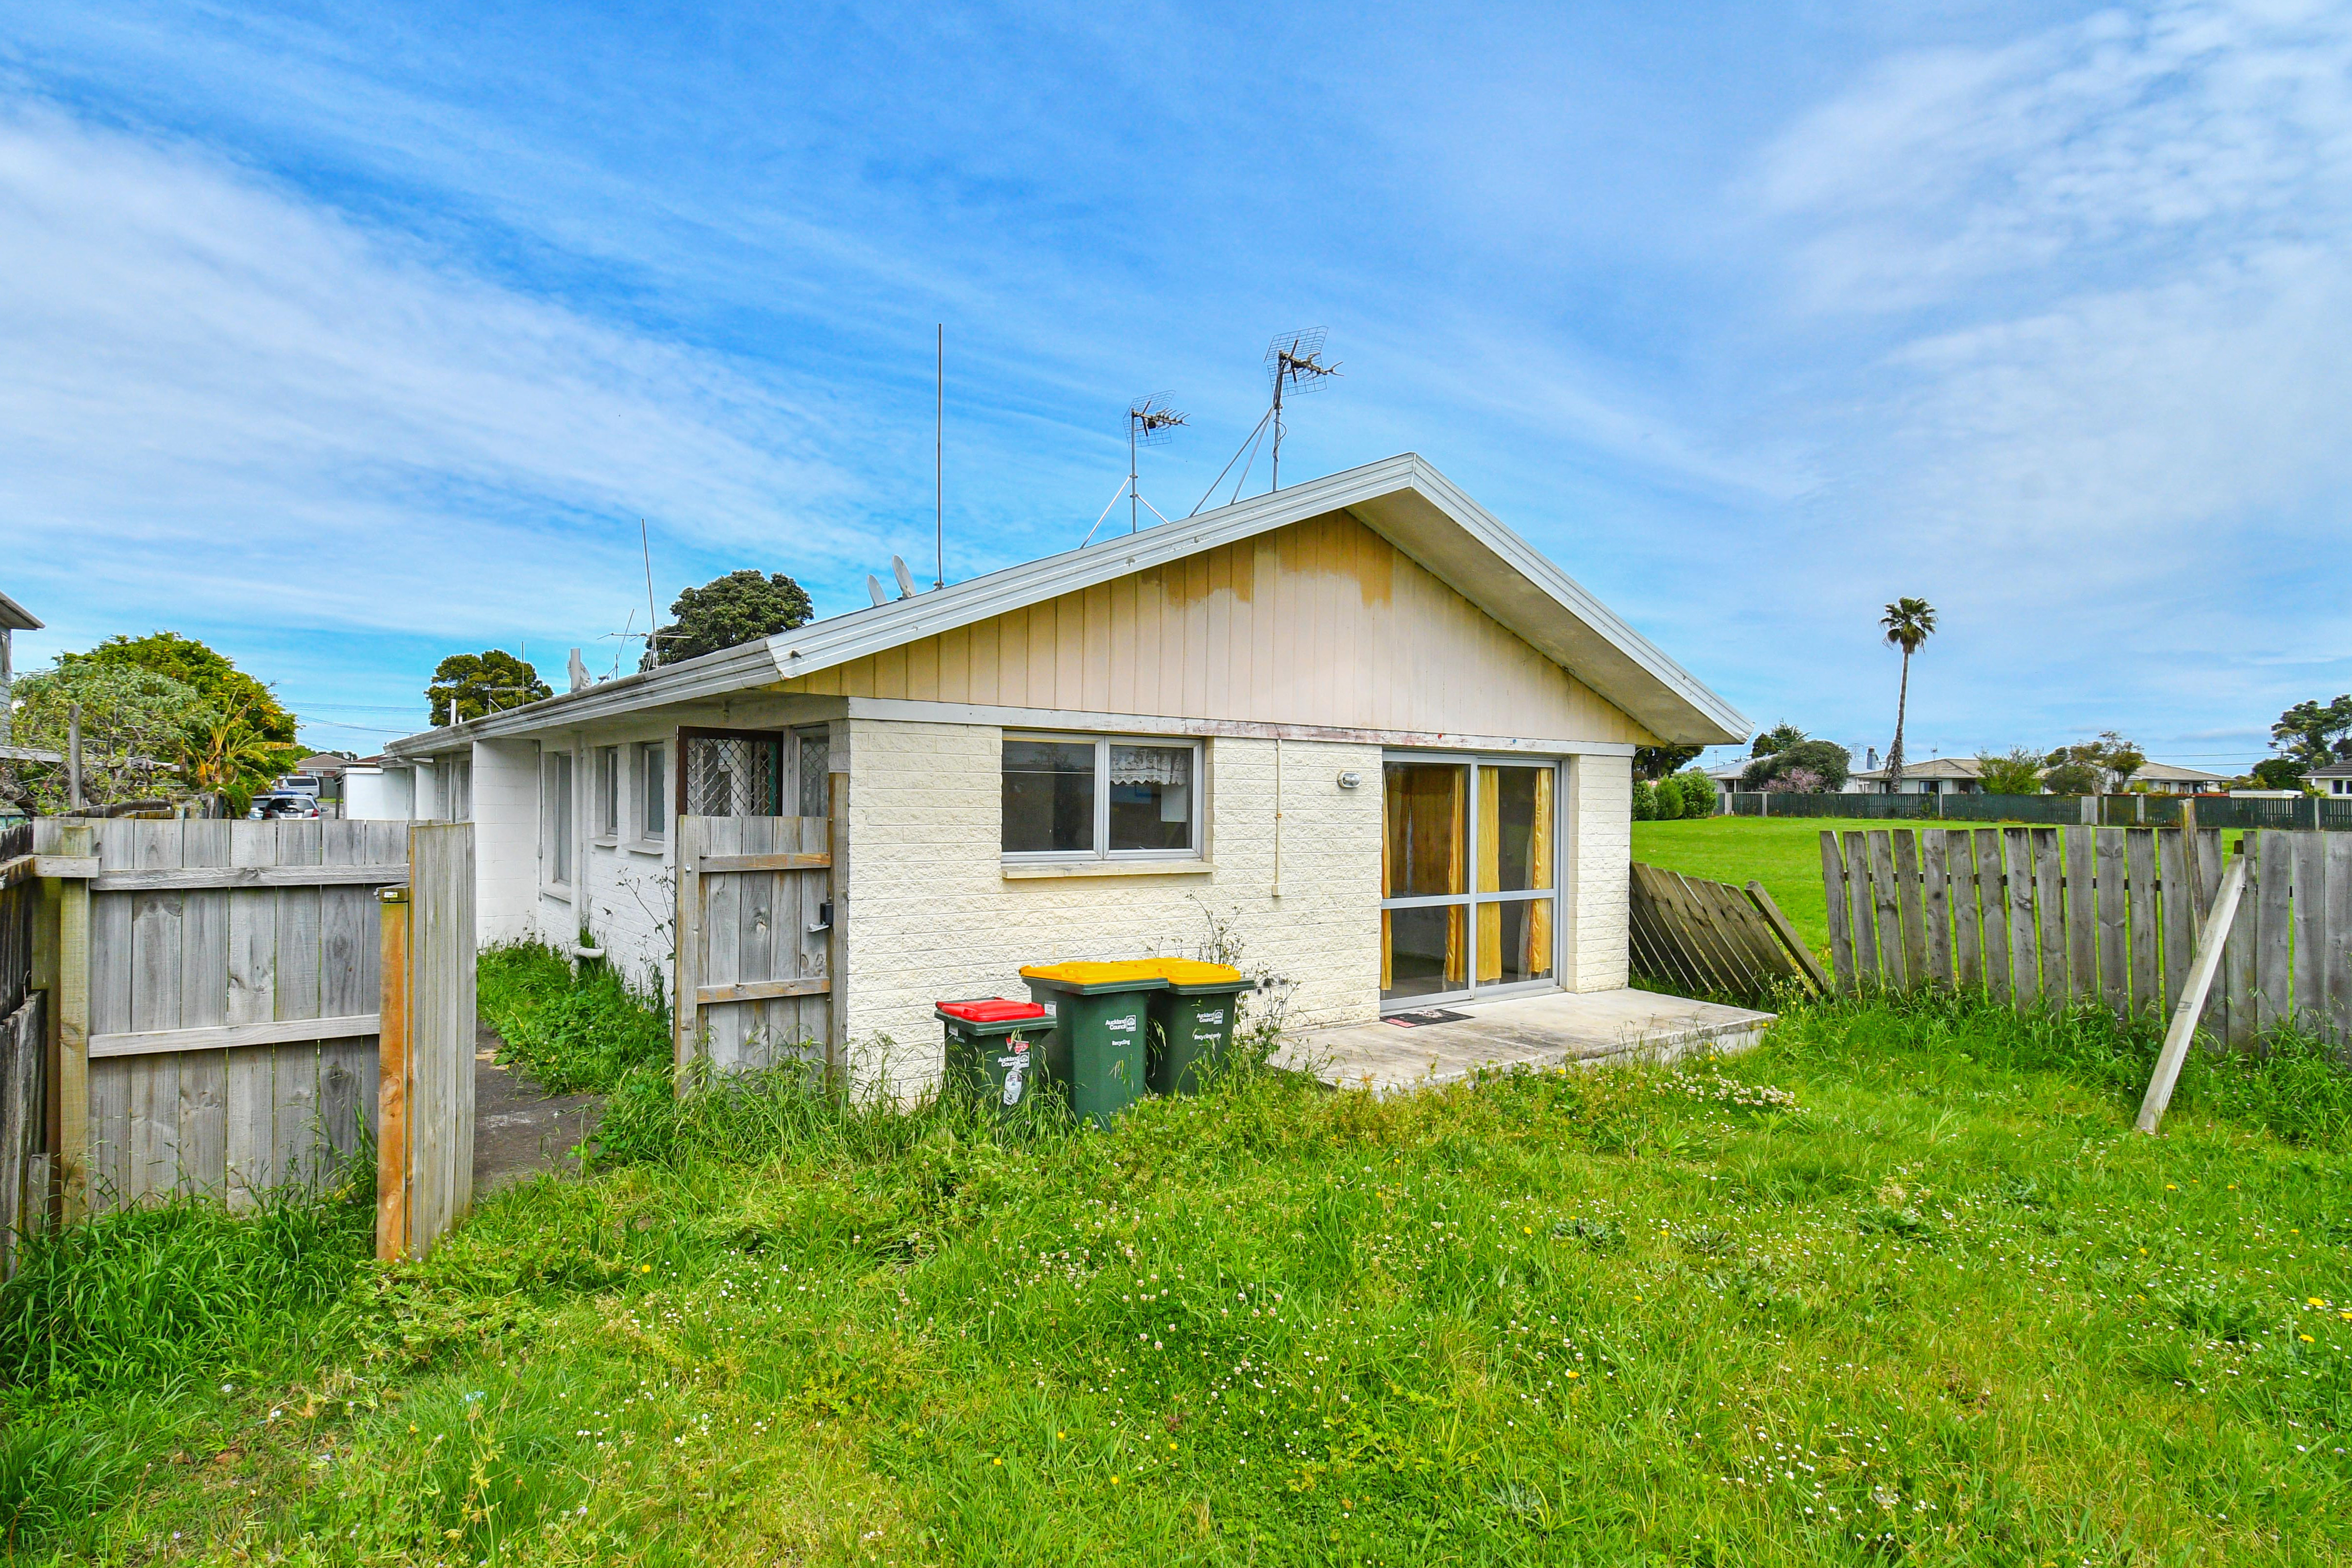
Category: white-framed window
[605,775]
[555,817]
[1101,797]
[1471,869]
[652,791]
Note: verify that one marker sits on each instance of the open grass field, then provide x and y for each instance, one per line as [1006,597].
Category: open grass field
[1900,1285]
[1785,855]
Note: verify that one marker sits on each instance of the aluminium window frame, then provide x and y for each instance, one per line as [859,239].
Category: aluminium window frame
[559,820]
[607,804]
[1102,742]
[1470,899]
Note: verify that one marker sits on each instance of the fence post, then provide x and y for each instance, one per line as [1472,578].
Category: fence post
[685,1013]
[396,1166]
[77,840]
[2175,1050]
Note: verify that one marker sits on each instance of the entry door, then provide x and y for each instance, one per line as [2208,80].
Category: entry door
[1469,878]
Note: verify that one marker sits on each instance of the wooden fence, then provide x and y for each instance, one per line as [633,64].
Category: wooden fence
[2034,915]
[219,998]
[424,1139]
[1712,939]
[23,1053]
[756,942]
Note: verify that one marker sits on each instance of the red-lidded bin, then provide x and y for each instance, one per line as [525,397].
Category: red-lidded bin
[995,1049]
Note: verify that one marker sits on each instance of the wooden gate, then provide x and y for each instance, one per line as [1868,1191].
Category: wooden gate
[218,999]
[756,941]
[24,1051]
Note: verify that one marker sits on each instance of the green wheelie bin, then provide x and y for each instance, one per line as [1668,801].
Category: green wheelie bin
[1192,1023]
[995,1049]
[1099,1024]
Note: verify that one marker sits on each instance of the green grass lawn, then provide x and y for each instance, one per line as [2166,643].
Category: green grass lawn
[1784,854]
[1900,1285]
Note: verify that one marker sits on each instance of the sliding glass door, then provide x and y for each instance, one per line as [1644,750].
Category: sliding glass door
[1469,878]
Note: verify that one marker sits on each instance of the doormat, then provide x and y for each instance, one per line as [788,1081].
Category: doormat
[1426,1015]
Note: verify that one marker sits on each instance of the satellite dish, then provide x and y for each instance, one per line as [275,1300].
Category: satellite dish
[873,586]
[906,578]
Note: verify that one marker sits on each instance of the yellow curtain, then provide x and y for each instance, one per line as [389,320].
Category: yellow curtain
[1454,967]
[1540,856]
[1490,873]
[1387,957]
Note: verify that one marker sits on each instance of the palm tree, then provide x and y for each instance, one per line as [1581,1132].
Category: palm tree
[1908,623]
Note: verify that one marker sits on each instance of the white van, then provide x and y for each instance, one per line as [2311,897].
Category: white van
[299,784]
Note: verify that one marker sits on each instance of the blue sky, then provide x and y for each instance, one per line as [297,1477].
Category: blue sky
[344,344]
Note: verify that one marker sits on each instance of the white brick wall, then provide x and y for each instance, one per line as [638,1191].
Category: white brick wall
[506,839]
[1601,837]
[932,916]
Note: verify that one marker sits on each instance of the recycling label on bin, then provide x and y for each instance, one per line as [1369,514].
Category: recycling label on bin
[1216,1017]
[1120,1026]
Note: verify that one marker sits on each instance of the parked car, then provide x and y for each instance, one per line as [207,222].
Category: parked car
[298,784]
[283,802]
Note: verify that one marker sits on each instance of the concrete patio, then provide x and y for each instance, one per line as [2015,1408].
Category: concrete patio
[1551,1030]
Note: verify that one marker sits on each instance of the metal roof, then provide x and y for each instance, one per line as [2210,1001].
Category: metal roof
[1401,498]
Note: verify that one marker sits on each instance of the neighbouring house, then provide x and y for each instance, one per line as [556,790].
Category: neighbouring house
[2166,778]
[1358,722]
[2335,779]
[1936,775]
[14,618]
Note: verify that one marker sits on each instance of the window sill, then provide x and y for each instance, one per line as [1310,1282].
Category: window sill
[560,891]
[645,847]
[1030,871]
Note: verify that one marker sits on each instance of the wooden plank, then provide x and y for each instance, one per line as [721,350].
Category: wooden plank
[2148,979]
[1935,902]
[1682,928]
[686,1041]
[2310,919]
[2275,931]
[2082,915]
[203,1111]
[294,1068]
[441,1029]
[720,922]
[69,867]
[1868,970]
[779,861]
[226,1036]
[2115,915]
[1886,911]
[1967,919]
[1910,904]
[251,1115]
[156,920]
[755,941]
[1651,954]
[2050,911]
[2196,983]
[1701,925]
[760,990]
[2175,877]
[1758,952]
[2206,868]
[2336,949]
[1839,896]
[1677,965]
[2239,962]
[1992,903]
[2017,887]
[73,1003]
[1799,954]
[395,1168]
[187,878]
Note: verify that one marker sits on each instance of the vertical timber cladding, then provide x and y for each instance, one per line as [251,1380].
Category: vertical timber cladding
[227,997]
[2114,914]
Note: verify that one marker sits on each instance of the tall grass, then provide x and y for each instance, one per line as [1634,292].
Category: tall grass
[569,1034]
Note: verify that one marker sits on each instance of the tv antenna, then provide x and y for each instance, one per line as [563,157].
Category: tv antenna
[1149,421]
[1294,363]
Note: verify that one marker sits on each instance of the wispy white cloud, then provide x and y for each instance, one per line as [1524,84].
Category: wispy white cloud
[236,402]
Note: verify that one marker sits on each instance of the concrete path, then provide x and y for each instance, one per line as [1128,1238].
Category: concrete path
[1523,1031]
[519,1132]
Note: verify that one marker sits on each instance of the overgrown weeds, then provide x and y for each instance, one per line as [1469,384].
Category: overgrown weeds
[569,1033]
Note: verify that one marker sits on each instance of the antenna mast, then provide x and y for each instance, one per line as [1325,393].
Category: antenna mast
[1294,360]
[1150,421]
[939,460]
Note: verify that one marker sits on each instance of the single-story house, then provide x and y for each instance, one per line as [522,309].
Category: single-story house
[2169,778]
[1358,723]
[2335,779]
[1936,775]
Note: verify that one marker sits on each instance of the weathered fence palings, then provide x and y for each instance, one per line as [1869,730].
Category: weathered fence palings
[2105,913]
[1710,938]
[755,944]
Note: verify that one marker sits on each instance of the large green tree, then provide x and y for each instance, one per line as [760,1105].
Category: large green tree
[1907,623]
[137,729]
[468,685]
[2093,767]
[1779,737]
[227,689]
[2014,771]
[1657,762]
[739,607]
[2315,733]
[1802,767]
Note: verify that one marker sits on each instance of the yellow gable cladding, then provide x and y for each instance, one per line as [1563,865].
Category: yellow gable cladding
[1322,622]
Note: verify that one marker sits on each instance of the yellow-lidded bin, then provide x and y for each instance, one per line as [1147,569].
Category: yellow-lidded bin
[1192,1023]
[1099,1021]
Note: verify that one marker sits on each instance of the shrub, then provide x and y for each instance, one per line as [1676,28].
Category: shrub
[1825,760]
[1696,793]
[1645,801]
[2014,771]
